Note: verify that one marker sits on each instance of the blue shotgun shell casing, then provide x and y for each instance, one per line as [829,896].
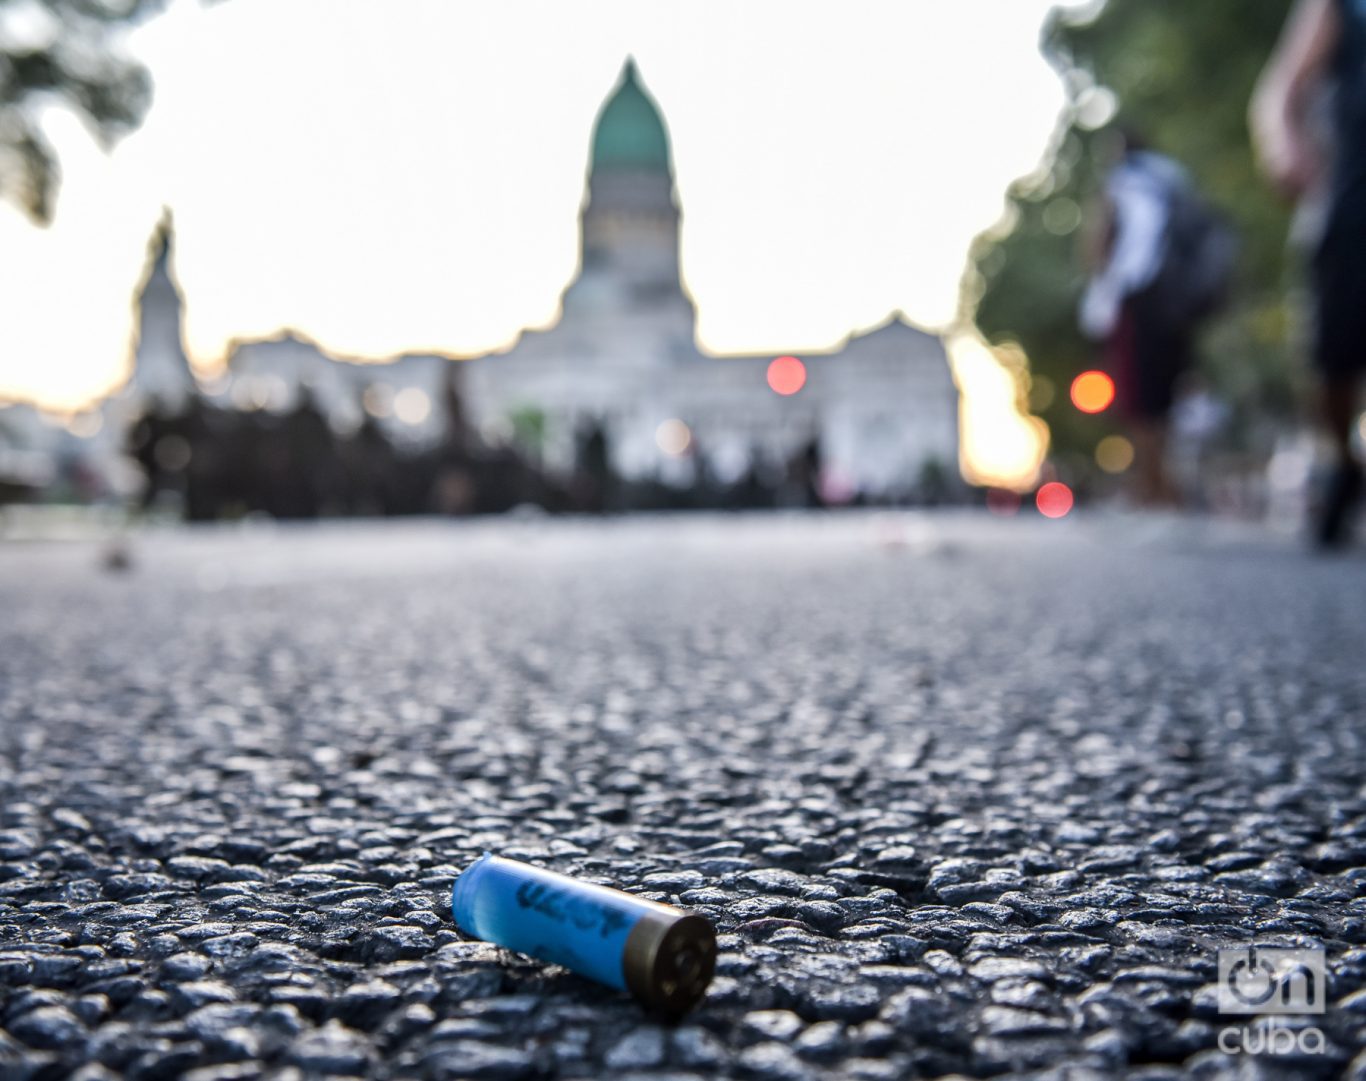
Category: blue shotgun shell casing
[661,954]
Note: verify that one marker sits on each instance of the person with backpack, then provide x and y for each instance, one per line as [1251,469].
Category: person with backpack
[1161,261]
[1323,48]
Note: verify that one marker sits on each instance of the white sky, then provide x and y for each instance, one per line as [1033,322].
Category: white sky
[404,176]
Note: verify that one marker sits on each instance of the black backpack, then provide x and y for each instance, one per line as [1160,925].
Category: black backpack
[1200,252]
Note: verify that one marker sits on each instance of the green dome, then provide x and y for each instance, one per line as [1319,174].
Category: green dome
[630,132]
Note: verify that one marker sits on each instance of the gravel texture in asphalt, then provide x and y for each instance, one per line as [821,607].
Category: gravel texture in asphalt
[961,796]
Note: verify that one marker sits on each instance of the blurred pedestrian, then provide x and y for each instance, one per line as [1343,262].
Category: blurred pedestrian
[1160,261]
[1323,47]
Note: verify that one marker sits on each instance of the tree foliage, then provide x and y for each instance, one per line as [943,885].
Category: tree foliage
[1182,74]
[64,50]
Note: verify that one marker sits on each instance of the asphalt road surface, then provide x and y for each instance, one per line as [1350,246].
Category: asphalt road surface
[962,796]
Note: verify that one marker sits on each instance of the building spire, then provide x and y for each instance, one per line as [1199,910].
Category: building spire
[161,369]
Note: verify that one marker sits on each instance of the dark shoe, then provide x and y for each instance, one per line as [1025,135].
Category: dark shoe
[1340,499]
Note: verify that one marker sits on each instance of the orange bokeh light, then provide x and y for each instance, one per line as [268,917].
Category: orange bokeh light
[1092,392]
[1054,499]
[786,375]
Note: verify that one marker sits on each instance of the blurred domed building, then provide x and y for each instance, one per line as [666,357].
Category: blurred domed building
[620,369]
[883,408]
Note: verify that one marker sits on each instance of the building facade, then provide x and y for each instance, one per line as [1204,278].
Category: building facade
[883,408]
[874,416]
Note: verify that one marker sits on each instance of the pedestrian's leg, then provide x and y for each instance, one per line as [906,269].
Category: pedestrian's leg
[1168,492]
[1339,405]
[1154,487]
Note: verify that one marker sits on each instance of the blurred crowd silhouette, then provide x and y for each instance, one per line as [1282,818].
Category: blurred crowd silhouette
[211,462]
